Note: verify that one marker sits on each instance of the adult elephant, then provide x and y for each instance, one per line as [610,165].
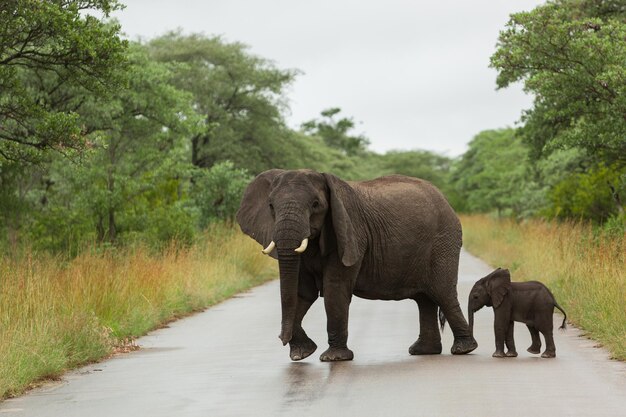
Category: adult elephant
[390,238]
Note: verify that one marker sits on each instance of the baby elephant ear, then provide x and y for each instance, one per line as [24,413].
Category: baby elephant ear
[498,286]
[254,215]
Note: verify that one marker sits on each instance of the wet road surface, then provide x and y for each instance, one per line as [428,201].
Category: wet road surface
[228,361]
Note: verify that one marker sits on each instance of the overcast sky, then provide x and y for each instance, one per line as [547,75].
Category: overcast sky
[412,74]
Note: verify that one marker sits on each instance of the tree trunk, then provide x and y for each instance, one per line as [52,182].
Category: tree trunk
[100,229]
[112,235]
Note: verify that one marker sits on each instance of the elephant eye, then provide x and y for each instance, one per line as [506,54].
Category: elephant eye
[316,204]
[271,207]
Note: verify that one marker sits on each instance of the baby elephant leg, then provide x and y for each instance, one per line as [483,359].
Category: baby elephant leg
[510,342]
[500,332]
[535,347]
[550,351]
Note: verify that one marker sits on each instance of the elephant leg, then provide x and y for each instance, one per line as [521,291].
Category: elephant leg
[429,340]
[338,284]
[500,328]
[535,347]
[550,351]
[444,270]
[543,323]
[337,309]
[463,340]
[300,345]
[510,342]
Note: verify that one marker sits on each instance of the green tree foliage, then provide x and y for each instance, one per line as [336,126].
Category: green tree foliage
[571,55]
[16,182]
[586,195]
[239,95]
[306,151]
[52,55]
[135,179]
[496,174]
[218,190]
[603,9]
[493,172]
[198,116]
[335,132]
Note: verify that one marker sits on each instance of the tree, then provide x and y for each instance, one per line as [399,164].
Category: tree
[571,55]
[493,173]
[238,95]
[596,8]
[305,151]
[585,195]
[335,132]
[52,55]
[136,176]
[218,191]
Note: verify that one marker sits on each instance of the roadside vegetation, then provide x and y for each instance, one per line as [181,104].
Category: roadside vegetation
[555,186]
[122,164]
[59,313]
[584,268]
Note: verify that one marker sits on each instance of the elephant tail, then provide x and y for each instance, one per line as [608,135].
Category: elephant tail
[442,319]
[564,324]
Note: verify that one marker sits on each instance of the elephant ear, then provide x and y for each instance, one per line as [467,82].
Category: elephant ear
[254,215]
[341,197]
[498,285]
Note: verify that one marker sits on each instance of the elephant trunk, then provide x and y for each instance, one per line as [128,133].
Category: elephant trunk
[289,235]
[470,316]
[289,268]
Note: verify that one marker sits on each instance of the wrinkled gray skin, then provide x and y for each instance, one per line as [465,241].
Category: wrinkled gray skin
[390,238]
[530,302]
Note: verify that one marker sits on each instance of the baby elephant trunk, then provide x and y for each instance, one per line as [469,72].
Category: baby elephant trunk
[470,316]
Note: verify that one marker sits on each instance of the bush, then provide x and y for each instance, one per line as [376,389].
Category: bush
[217,191]
[591,195]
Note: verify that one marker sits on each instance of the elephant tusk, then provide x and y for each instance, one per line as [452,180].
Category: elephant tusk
[303,246]
[269,248]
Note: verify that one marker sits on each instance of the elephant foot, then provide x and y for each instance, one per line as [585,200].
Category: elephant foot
[463,345]
[301,350]
[547,354]
[534,350]
[424,348]
[499,354]
[337,354]
[511,354]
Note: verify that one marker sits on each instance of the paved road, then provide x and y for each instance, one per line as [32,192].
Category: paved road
[228,361]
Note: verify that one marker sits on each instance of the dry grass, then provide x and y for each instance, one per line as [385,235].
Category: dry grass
[585,269]
[57,314]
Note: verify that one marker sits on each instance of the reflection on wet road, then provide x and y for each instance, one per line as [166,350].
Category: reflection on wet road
[228,361]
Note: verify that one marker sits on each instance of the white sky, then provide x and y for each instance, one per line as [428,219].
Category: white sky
[412,74]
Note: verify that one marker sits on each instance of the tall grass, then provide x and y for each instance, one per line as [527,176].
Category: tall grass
[57,314]
[585,269]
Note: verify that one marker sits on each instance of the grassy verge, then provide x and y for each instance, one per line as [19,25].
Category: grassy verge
[585,270]
[55,314]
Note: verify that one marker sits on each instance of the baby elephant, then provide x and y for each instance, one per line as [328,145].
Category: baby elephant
[527,302]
